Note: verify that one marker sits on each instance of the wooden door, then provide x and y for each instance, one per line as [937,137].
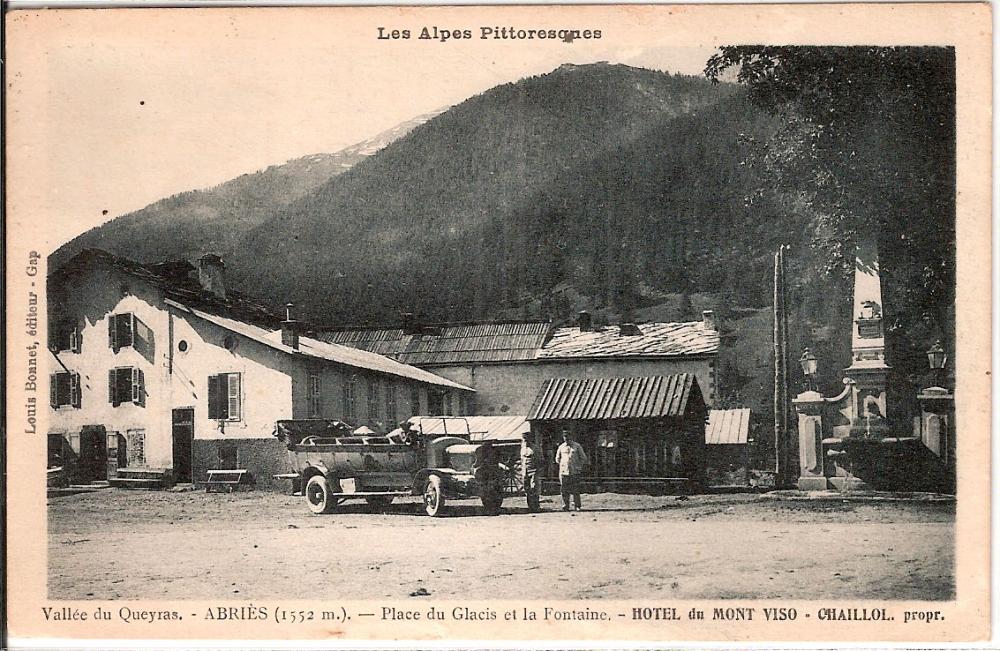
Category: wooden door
[183,435]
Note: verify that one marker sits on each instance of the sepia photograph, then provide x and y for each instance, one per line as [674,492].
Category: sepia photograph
[408,314]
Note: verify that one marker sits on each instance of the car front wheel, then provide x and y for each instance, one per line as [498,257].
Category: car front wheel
[434,497]
[319,496]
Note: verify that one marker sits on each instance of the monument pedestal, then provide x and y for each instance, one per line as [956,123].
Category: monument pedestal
[809,407]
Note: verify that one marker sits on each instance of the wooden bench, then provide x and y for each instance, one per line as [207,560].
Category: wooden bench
[228,480]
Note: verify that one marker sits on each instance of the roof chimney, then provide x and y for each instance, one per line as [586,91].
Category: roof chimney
[212,274]
[584,321]
[409,323]
[290,329]
[708,316]
[628,330]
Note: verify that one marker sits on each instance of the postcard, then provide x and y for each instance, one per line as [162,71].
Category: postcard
[636,324]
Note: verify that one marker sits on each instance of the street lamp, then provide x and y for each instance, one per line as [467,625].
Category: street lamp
[808,363]
[937,359]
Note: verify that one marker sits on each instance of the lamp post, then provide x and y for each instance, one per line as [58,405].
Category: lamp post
[809,366]
[937,358]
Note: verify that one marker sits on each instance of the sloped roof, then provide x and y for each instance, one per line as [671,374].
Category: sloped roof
[526,341]
[322,350]
[450,343]
[178,280]
[656,340]
[727,426]
[614,398]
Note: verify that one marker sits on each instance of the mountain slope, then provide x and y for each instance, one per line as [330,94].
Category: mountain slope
[447,220]
[188,224]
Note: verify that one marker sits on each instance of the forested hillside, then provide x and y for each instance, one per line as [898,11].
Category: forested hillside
[633,193]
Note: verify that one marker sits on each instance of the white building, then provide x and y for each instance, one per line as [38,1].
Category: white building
[158,366]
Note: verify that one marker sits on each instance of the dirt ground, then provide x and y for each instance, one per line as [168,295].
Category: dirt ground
[115,544]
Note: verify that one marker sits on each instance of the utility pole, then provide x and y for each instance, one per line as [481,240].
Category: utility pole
[780,369]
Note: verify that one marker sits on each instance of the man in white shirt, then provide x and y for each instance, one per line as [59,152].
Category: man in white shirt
[571,460]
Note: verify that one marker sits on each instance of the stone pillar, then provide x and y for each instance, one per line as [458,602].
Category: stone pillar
[937,431]
[809,407]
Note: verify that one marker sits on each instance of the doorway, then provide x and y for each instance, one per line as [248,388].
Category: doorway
[93,463]
[183,435]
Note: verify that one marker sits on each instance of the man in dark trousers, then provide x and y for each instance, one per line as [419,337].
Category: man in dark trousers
[529,472]
[571,460]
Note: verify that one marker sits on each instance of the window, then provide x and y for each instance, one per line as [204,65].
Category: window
[390,404]
[64,336]
[373,401]
[224,397]
[64,389]
[350,413]
[126,385]
[414,401]
[315,406]
[127,330]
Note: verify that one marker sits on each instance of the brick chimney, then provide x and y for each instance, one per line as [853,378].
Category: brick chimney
[212,274]
[628,330]
[290,329]
[584,321]
[708,316]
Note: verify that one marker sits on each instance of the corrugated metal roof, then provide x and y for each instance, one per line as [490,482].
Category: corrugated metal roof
[450,344]
[657,339]
[613,398]
[727,426]
[322,350]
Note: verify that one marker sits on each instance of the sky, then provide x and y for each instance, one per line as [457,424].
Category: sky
[128,107]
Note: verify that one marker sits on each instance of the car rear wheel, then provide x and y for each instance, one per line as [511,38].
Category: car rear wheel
[434,497]
[319,496]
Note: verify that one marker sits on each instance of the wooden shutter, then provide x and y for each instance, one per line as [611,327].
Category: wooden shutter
[113,332]
[54,390]
[142,336]
[136,386]
[126,336]
[74,339]
[74,389]
[215,397]
[112,385]
[233,396]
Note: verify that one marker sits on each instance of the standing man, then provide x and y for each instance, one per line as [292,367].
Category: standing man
[529,472]
[571,460]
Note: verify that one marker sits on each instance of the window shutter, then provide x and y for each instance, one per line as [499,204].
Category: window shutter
[142,336]
[139,386]
[126,323]
[113,332]
[234,396]
[54,390]
[74,389]
[74,340]
[215,397]
[112,398]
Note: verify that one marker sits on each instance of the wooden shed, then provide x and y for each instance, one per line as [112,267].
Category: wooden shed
[640,433]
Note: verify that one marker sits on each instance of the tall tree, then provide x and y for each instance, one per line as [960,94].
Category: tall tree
[868,148]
